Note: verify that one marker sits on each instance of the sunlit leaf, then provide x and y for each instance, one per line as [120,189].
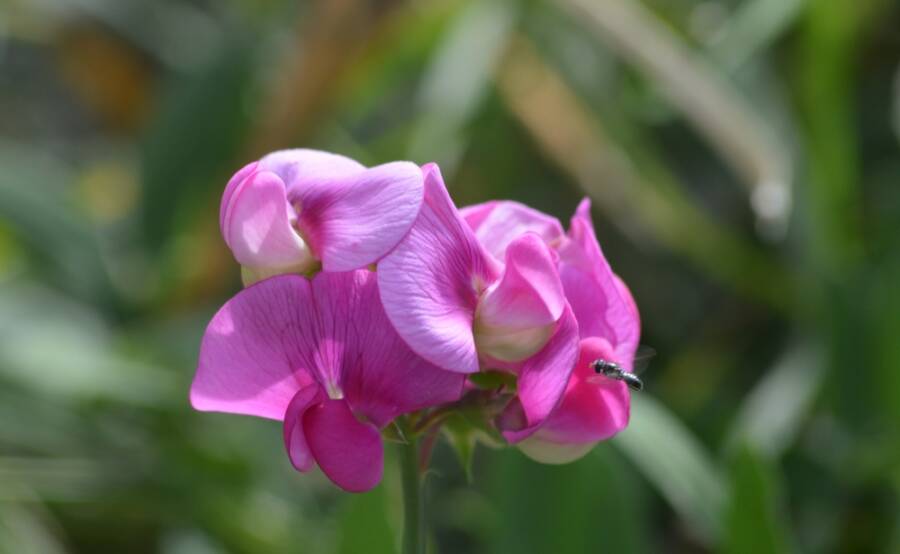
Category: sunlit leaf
[773,411]
[676,464]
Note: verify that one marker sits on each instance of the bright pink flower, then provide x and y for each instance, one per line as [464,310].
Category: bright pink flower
[461,307]
[593,408]
[295,208]
[322,357]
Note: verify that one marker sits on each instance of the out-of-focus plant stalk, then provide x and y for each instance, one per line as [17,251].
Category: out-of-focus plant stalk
[731,127]
[828,65]
[413,507]
[646,201]
[327,46]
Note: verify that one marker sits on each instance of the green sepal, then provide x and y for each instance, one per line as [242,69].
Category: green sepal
[492,379]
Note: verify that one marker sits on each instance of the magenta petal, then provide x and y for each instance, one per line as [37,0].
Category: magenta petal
[247,365]
[543,378]
[347,450]
[380,376]
[592,409]
[517,315]
[599,299]
[497,224]
[257,223]
[353,221]
[294,437]
[430,282]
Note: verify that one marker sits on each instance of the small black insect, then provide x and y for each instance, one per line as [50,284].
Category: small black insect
[612,370]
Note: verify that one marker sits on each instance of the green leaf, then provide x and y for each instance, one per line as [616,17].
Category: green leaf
[590,505]
[772,412]
[462,437]
[191,148]
[754,523]
[676,464]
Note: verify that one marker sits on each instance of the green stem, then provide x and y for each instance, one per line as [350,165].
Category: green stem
[413,507]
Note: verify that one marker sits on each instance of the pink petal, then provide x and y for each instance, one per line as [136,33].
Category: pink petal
[347,450]
[248,364]
[631,330]
[430,282]
[475,214]
[549,452]
[498,223]
[300,168]
[257,223]
[517,315]
[232,185]
[592,410]
[379,375]
[596,295]
[294,437]
[543,379]
[355,220]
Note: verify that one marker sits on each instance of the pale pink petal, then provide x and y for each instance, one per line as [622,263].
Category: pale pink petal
[248,364]
[353,221]
[498,223]
[347,450]
[543,379]
[549,452]
[430,282]
[475,214]
[258,224]
[379,375]
[300,168]
[593,290]
[593,409]
[232,185]
[517,314]
[294,437]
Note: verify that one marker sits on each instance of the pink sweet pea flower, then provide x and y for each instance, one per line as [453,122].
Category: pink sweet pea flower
[593,408]
[322,357]
[461,307]
[294,209]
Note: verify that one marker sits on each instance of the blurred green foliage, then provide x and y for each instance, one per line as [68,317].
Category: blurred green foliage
[742,156]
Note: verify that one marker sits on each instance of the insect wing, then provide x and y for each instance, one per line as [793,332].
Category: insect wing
[642,358]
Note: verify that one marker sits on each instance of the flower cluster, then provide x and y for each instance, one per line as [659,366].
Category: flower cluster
[370,296]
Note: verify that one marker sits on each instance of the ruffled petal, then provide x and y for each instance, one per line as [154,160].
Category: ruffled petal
[248,360]
[593,409]
[258,224]
[542,381]
[353,221]
[596,295]
[294,436]
[347,450]
[498,223]
[430,282]
[517,315]
[379,375]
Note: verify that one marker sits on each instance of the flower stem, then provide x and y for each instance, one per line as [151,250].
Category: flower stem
[413,508]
